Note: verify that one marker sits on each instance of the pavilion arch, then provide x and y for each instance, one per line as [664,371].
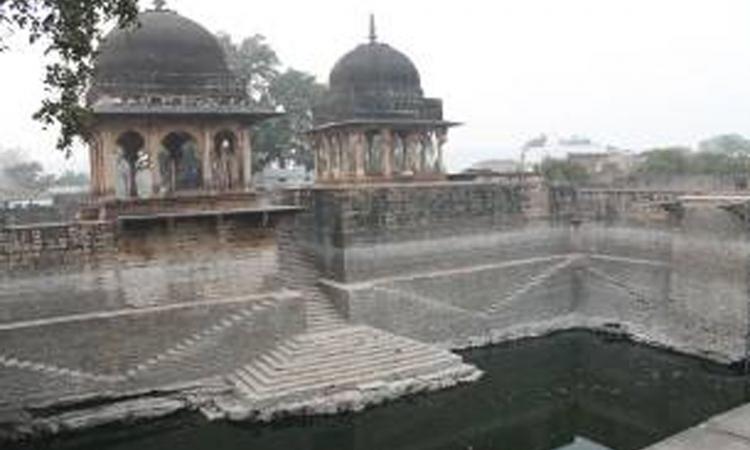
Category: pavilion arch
[180,163]
[133,162]
[225,161]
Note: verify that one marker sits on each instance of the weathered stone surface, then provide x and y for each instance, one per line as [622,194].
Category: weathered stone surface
[728,431]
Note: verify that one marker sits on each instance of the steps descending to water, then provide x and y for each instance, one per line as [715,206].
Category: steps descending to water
[335,367]
[322,315]
[315,367]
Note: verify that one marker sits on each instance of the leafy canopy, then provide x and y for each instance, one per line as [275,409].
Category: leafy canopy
[295,92]
[69,30]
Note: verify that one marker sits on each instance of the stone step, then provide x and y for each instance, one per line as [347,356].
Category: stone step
[284,378]
[321,337]
[325,361]
[353,349]
[350,379]
[533,283]
[268,371]
[316,339]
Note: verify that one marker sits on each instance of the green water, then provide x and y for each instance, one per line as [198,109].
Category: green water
[571,391]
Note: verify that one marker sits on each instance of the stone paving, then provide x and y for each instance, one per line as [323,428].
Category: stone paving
[728,431]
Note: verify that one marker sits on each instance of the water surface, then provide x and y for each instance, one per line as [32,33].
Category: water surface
[573,391]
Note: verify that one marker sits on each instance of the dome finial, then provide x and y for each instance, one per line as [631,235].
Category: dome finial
[373,35]
[160,5]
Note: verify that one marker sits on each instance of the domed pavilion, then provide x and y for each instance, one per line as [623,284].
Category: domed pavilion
[169,115]
[375,124]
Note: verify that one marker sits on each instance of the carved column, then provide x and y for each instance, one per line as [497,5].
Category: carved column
[247,157]
[335,151]
[325,153]
[313,140]
[95,151]
[109,160]
[412,152]
[204,145]
[152,148]
[387,152]
[424,150]
[442,138]
[358,136]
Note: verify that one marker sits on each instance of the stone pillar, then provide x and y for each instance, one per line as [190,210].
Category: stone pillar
[315,147]
[204,145]
[325,170]
[412,152]
[442,137]
[246,149]
[109,162]
[423,152]
[345,156]
[153,146]
[359,141]
[95,152]
[335,151]
[386,148]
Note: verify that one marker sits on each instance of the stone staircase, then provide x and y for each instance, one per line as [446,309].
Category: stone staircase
[535,282]
[344,368]
[322,315]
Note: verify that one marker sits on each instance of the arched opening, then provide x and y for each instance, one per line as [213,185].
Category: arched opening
[179,163]
[225,167]
[133,163]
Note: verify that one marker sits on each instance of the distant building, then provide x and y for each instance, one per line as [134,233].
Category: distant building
[610,163]
[495,165]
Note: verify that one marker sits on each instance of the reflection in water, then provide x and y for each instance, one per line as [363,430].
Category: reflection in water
[567,391]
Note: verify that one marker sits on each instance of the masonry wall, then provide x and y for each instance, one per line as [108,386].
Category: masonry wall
[34,248]
[203,268]
[490,270]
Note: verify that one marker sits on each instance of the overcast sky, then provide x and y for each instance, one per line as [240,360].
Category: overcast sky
[630,73]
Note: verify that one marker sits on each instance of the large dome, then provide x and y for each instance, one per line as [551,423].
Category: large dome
[375,66]
[164,50]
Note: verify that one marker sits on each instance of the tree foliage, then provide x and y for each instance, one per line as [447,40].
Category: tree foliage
[69,30]
[727,154]
[295,92]
[727,144]
[27,177]
[70,178]
[560,171]
[668,160]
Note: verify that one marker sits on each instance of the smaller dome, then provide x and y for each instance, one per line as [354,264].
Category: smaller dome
[375,81]
[375,66]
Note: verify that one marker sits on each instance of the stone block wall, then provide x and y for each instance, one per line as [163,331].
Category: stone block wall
[672,273]
[343,225]
[39,247]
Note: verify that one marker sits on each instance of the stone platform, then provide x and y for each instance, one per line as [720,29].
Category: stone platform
[728,431]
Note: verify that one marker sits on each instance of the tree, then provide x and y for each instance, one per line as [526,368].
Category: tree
[281,139]
[668,160]
[255,62]
[27,176]
[71,178]
[69,31]
[728,144]
[558,171]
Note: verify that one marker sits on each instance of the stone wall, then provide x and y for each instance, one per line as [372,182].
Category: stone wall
[38,247]
[343,224]
[645,262]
